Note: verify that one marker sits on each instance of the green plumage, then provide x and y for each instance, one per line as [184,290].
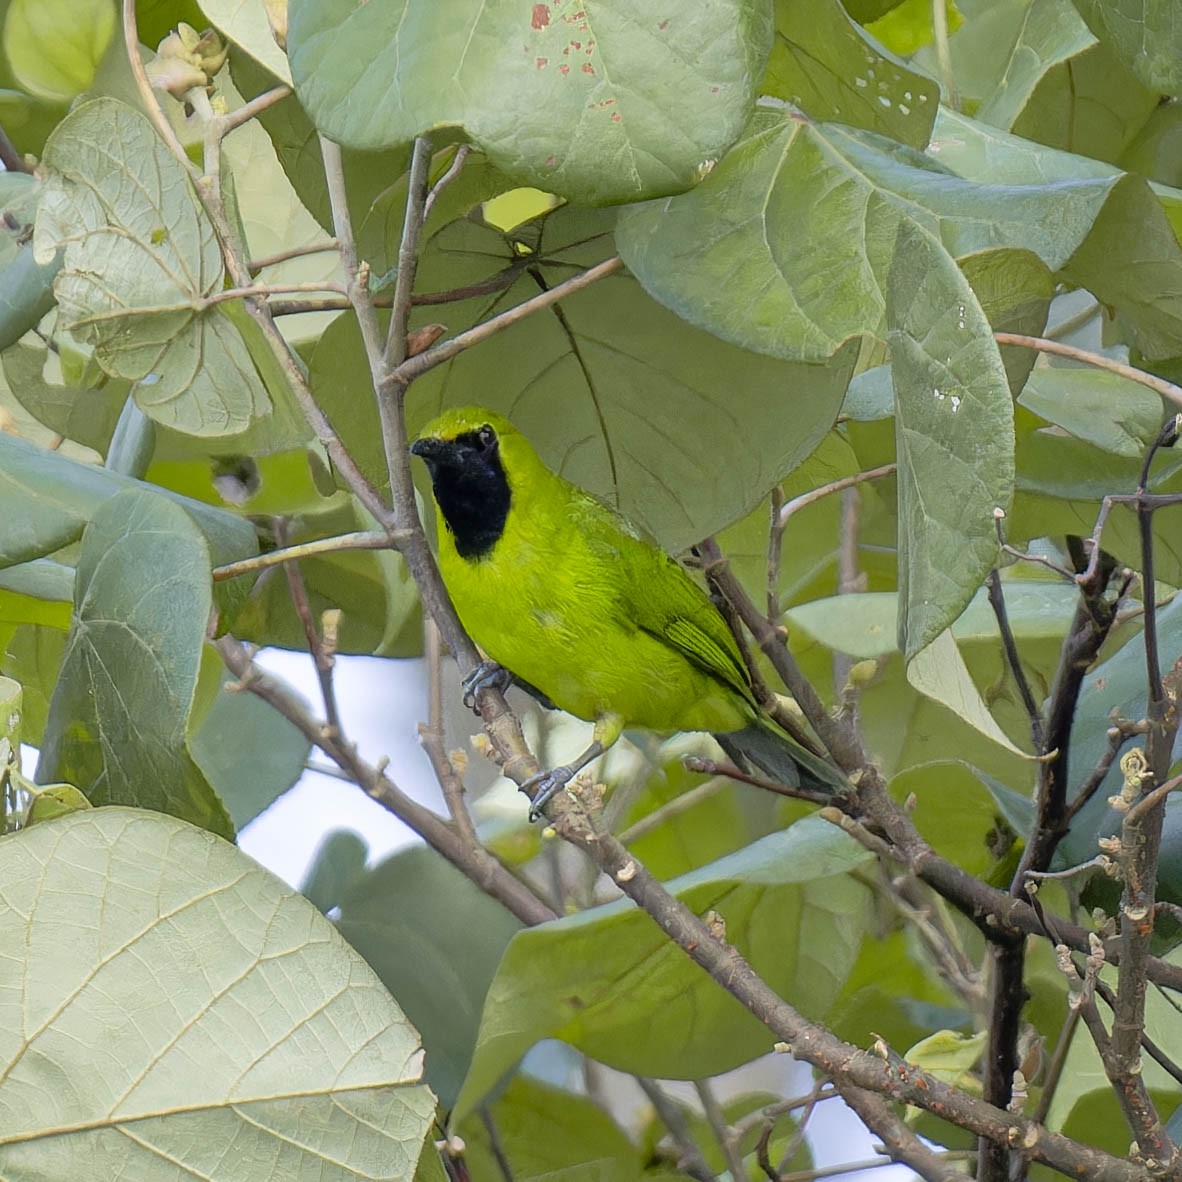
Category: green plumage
[573,599]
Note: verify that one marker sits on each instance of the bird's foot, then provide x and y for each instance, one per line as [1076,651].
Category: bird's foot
[549,785]
[486,675]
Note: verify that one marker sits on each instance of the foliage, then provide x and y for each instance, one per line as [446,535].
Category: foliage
[909,289]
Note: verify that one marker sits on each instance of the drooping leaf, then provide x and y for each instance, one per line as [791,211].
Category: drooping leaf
[785,248]
[116,726]
[607,981]
[938,671]
[614,103]
[140,262]
[954,435]
[171,998]
[1097,406]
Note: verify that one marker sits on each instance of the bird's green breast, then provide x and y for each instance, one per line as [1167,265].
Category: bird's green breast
[562,598]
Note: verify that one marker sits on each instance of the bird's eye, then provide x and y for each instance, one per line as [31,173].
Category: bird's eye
[487,436]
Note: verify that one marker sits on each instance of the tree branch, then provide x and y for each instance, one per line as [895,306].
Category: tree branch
[477,863]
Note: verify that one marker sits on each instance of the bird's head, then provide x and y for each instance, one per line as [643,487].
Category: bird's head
[464,440]
[475,458]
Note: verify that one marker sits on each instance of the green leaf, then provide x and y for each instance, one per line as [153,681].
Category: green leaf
[1014,289]
[33,657]
[1101,408]
[26,294]
[954,430]
[88,416]
[1146,35]
[786,247]
[248,751]
[140,264]
[610,983]
[55,800]
[37,592]
[148,947]
[1132,261]
[862,624]
[1044,33]
[58,496]
[828,66]
[603,353]
[340,855]
[545,1133]
[116,724]
[246,25]
[938,671]
[1091,102]
[435,940]
[612,104]
[55,46]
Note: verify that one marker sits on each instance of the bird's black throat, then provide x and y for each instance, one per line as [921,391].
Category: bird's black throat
[471,488]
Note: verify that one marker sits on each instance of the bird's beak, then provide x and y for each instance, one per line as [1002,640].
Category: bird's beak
[429,448]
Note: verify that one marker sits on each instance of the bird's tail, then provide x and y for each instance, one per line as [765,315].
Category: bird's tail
[763,748]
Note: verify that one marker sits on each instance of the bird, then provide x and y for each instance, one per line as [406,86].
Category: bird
[568,598]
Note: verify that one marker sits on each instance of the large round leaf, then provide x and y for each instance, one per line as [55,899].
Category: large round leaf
[169,1010]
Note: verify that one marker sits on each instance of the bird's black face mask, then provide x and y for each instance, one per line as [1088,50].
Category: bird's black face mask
[470,486]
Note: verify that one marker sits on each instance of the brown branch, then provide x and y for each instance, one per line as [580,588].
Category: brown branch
[12,160]
[852,1070]
[322,653]
[478,864]
[415,367]
[690,1159]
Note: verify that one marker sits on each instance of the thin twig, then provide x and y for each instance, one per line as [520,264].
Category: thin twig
[12,160]
[494,1143]
[364,540]
[998,603]
[689,1157]
[478,864]
[453,170]
[717,1121]
[295,252]
[408,256]
[432,739]
[152,107]
[810,498]
[415,367]
[322,658]
[1044,345]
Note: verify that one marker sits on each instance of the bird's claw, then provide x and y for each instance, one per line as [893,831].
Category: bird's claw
[486,675]
[549,785]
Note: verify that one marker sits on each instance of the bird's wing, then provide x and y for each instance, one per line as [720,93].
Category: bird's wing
[668,604]
[706,650]
[656,594]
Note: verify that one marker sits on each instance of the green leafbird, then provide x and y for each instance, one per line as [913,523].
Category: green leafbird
[574,602]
